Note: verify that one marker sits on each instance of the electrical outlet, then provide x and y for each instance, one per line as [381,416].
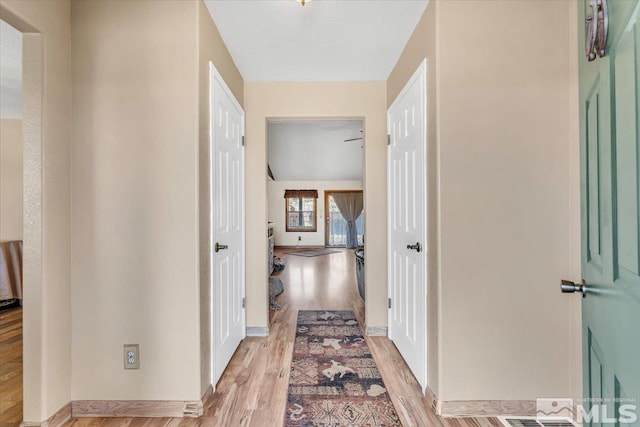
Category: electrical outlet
[131,356]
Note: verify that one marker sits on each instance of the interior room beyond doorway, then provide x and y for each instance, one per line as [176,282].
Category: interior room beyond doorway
[308,160]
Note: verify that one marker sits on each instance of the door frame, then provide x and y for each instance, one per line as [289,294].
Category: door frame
[326,212]
[215,74]
[420,72]
[34,86]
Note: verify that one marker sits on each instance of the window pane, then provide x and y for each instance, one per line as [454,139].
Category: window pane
[307,205]
[293,219]
[308,219]
[293,204]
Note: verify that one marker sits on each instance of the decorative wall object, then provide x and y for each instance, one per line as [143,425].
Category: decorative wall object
[597,28]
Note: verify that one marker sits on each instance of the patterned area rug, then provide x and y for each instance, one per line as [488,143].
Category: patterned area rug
[334,380]
[313,252]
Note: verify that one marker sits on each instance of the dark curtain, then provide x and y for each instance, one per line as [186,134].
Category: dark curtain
[350,205]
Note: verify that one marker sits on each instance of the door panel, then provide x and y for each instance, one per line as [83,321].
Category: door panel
[610,177]
[595,371]
[227,186]
[626,146]
[593,163]
[407,223]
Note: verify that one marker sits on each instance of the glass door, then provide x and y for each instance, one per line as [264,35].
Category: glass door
[336,225]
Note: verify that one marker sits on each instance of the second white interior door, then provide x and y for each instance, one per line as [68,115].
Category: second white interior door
[227,224]
[407,223]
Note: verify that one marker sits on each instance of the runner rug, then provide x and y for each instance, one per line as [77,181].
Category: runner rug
[334,380]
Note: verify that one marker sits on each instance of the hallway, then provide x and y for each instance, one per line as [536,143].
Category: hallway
[253,388]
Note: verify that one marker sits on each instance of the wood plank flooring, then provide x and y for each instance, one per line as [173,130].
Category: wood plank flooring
[253,388]
[11,367]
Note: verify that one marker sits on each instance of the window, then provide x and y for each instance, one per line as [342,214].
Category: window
[301,213]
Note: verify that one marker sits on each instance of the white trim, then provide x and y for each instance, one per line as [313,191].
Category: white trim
[257,331]
[376,331]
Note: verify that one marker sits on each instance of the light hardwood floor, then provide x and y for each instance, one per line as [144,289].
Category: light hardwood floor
[11,367]
[253,389]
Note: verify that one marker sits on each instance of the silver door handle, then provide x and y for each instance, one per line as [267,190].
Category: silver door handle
[220,247]
[569,287]
[417,247]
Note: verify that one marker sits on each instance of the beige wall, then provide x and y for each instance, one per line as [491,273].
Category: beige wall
[140,165]
[506,120]
[135,214]
[508,197]
[46,123]
[276,203]
[421,45]
[263,100]
[11,179]
[210,48]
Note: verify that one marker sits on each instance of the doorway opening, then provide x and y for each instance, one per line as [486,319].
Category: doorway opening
[11,223]
[315,213]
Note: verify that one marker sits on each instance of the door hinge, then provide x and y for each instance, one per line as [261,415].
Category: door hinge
[244,302]
[243,140]
[389,302]
[388,139]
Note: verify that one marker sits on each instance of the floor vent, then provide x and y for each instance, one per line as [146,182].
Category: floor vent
[532,422]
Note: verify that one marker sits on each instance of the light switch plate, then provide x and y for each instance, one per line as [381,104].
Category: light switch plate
[131,356]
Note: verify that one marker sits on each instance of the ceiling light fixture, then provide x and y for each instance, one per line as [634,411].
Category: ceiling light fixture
[302,2]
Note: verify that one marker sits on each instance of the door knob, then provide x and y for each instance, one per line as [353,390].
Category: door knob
[220,247]
[417,247]
[569,287]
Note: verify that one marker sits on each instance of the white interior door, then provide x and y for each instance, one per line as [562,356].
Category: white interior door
[227,223]
[406,166]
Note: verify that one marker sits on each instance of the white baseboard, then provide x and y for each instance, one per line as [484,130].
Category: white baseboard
[257,331]
[376,331]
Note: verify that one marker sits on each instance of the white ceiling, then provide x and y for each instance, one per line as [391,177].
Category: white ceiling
[10,72]
[325,40]
[279,40]
[315,150]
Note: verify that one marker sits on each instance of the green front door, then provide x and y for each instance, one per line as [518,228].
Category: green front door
[610,181]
